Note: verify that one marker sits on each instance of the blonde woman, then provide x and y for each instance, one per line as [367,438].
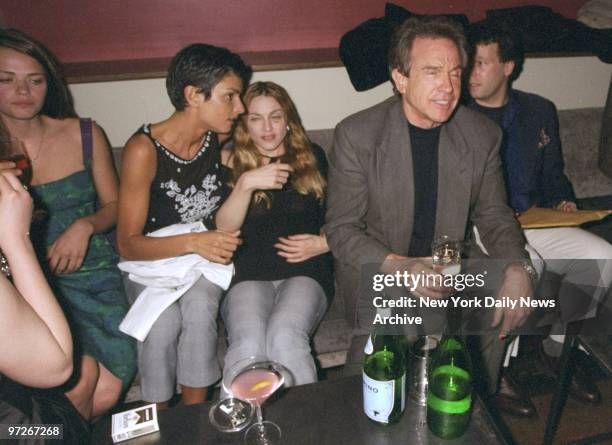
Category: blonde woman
[283,269]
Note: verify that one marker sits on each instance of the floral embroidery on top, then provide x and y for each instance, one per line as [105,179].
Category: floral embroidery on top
[192,204]
[544,138]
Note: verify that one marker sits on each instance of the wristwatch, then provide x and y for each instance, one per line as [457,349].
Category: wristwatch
[531,271]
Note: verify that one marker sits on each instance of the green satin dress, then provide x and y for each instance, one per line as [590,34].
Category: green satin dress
[92,297]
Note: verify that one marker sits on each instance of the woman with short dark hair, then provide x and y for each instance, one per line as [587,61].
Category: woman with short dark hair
[170,175]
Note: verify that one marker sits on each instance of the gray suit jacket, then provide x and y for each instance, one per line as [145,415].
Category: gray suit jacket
[371,191]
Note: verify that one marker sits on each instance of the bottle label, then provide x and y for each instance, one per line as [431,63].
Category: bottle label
[379,397]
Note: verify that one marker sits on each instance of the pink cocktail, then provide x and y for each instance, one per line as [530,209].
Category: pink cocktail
[253,380]
[256,385]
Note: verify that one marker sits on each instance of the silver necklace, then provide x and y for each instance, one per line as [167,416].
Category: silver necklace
[40,145]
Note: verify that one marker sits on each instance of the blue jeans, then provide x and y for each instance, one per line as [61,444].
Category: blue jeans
[274,320]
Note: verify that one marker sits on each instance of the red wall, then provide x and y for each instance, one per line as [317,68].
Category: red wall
[88,30]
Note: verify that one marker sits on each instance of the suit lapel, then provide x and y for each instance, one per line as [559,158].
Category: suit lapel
[395,175]
[395,178]
[454,186]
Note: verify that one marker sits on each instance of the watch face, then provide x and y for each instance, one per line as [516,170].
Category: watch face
[533,273]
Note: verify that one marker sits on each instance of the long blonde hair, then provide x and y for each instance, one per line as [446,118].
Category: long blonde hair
[306,177]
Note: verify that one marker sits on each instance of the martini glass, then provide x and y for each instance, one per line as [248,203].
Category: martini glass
[230,414]
[255,380]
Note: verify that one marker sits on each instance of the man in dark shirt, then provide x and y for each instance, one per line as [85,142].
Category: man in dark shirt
[416,167]
[533,169]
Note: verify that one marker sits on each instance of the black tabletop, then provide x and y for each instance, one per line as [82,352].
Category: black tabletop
[329,412]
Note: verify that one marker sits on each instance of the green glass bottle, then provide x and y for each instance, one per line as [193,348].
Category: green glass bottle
[384,379]
[449,394]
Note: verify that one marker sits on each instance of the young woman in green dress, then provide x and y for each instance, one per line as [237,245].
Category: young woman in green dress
[75,189]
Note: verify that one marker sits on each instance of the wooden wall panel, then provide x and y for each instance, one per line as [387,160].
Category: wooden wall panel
[85,30]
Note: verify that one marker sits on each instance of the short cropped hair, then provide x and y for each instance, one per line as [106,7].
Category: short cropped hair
[509,43]
[202,66]
[436,27]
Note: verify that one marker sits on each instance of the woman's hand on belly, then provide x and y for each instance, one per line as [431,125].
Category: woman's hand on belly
[298,248]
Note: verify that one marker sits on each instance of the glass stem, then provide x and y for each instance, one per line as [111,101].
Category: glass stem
[259,414]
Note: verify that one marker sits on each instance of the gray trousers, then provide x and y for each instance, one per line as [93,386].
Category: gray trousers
[274,320]
[182,344]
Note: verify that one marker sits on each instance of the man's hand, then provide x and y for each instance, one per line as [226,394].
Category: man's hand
[567,206]
[423,266]
[516,284]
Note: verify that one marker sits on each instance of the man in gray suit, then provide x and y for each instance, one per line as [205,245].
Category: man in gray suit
[415,167]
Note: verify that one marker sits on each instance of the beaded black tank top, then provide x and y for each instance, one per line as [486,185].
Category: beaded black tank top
[185,191]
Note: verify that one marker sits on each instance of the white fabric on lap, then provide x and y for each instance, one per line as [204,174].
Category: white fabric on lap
[175,274]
